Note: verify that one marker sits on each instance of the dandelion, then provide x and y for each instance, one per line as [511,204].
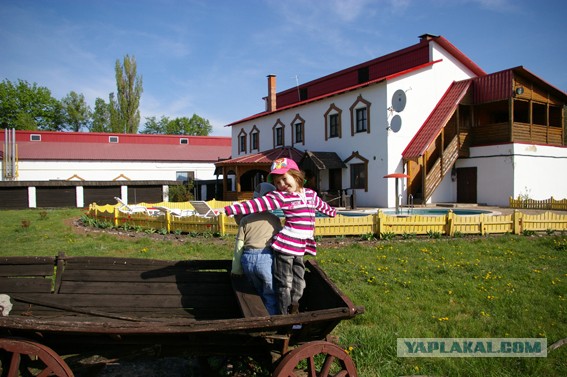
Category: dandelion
[490,297]
[484,314]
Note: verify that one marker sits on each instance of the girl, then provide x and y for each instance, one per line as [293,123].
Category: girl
[297,236]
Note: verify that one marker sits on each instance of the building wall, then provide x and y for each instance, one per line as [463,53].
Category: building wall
[526,170]
[382,147]
[109,170]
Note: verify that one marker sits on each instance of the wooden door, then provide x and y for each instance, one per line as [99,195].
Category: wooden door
[466,185]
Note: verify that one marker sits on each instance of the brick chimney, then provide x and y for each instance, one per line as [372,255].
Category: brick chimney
[271,99]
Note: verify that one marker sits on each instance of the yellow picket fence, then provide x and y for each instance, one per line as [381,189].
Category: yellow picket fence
[549,204]
[378,224]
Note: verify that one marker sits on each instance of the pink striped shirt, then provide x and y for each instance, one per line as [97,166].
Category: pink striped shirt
[299,209]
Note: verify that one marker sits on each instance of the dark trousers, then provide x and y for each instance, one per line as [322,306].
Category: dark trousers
[289,281]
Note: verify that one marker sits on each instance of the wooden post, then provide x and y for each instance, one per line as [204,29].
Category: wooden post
[221,224]
[116,216]
[517,222]
[378,217]
[450,226]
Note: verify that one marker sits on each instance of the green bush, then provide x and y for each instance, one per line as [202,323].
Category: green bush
[180,193]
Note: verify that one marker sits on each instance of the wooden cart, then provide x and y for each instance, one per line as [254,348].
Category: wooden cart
[73,305]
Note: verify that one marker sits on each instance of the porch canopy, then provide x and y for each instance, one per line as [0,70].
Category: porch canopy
[312,163]
[249,170]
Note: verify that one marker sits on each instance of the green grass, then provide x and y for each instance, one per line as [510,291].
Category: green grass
[489,287]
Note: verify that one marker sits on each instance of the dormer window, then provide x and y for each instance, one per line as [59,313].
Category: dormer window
[113,139]
[183,140]
[35,137]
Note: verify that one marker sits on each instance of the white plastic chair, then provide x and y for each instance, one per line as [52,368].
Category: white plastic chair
[203,209]
[175,211]
[130,209]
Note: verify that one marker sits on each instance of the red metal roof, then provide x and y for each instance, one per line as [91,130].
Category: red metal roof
[436,120]
[380,69]
[265,157]
[371,82]
[78,146]
[499,85]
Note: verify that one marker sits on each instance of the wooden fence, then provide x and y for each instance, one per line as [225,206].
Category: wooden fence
[547,204]
[379,224]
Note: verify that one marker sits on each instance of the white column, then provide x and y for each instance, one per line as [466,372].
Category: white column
[80,195]
[32,197]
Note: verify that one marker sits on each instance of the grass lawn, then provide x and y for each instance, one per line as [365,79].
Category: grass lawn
[494,287]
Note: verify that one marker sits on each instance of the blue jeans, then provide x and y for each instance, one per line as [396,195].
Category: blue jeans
[257,266]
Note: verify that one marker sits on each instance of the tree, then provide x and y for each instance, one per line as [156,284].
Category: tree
[76,112]
[196,126]
[29,107]
[127,102]
[100,117]
[155,127]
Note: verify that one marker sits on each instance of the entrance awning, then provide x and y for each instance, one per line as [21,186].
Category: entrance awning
[324,160]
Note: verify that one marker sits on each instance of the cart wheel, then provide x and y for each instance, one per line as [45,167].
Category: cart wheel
[30,359]
[316,359]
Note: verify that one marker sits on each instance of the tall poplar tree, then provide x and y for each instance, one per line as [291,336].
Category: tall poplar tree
[127,102]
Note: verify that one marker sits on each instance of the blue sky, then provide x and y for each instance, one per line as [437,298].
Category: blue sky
[211,58]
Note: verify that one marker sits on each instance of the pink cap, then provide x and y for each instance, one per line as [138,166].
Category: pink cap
[282,165]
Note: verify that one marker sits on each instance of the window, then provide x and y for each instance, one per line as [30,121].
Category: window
[361,119]
[363,75]
[298,130]
[360,116]
[183,140]
[333,122]
[254,141]
[113,139]
[35,137]
[358,176]
[334,125]
[242,142]
[278,134]
[358,171]
[185,176]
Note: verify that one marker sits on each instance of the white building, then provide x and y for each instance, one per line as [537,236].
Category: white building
[428,111]
[99,166]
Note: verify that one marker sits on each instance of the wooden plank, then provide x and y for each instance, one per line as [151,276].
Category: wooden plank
[26,270]
[143,288]
[129,302]
[27,260]
[248,299]
[31,285]
[164,275]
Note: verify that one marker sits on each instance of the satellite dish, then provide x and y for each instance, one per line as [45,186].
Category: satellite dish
[396,123]
[399,100]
